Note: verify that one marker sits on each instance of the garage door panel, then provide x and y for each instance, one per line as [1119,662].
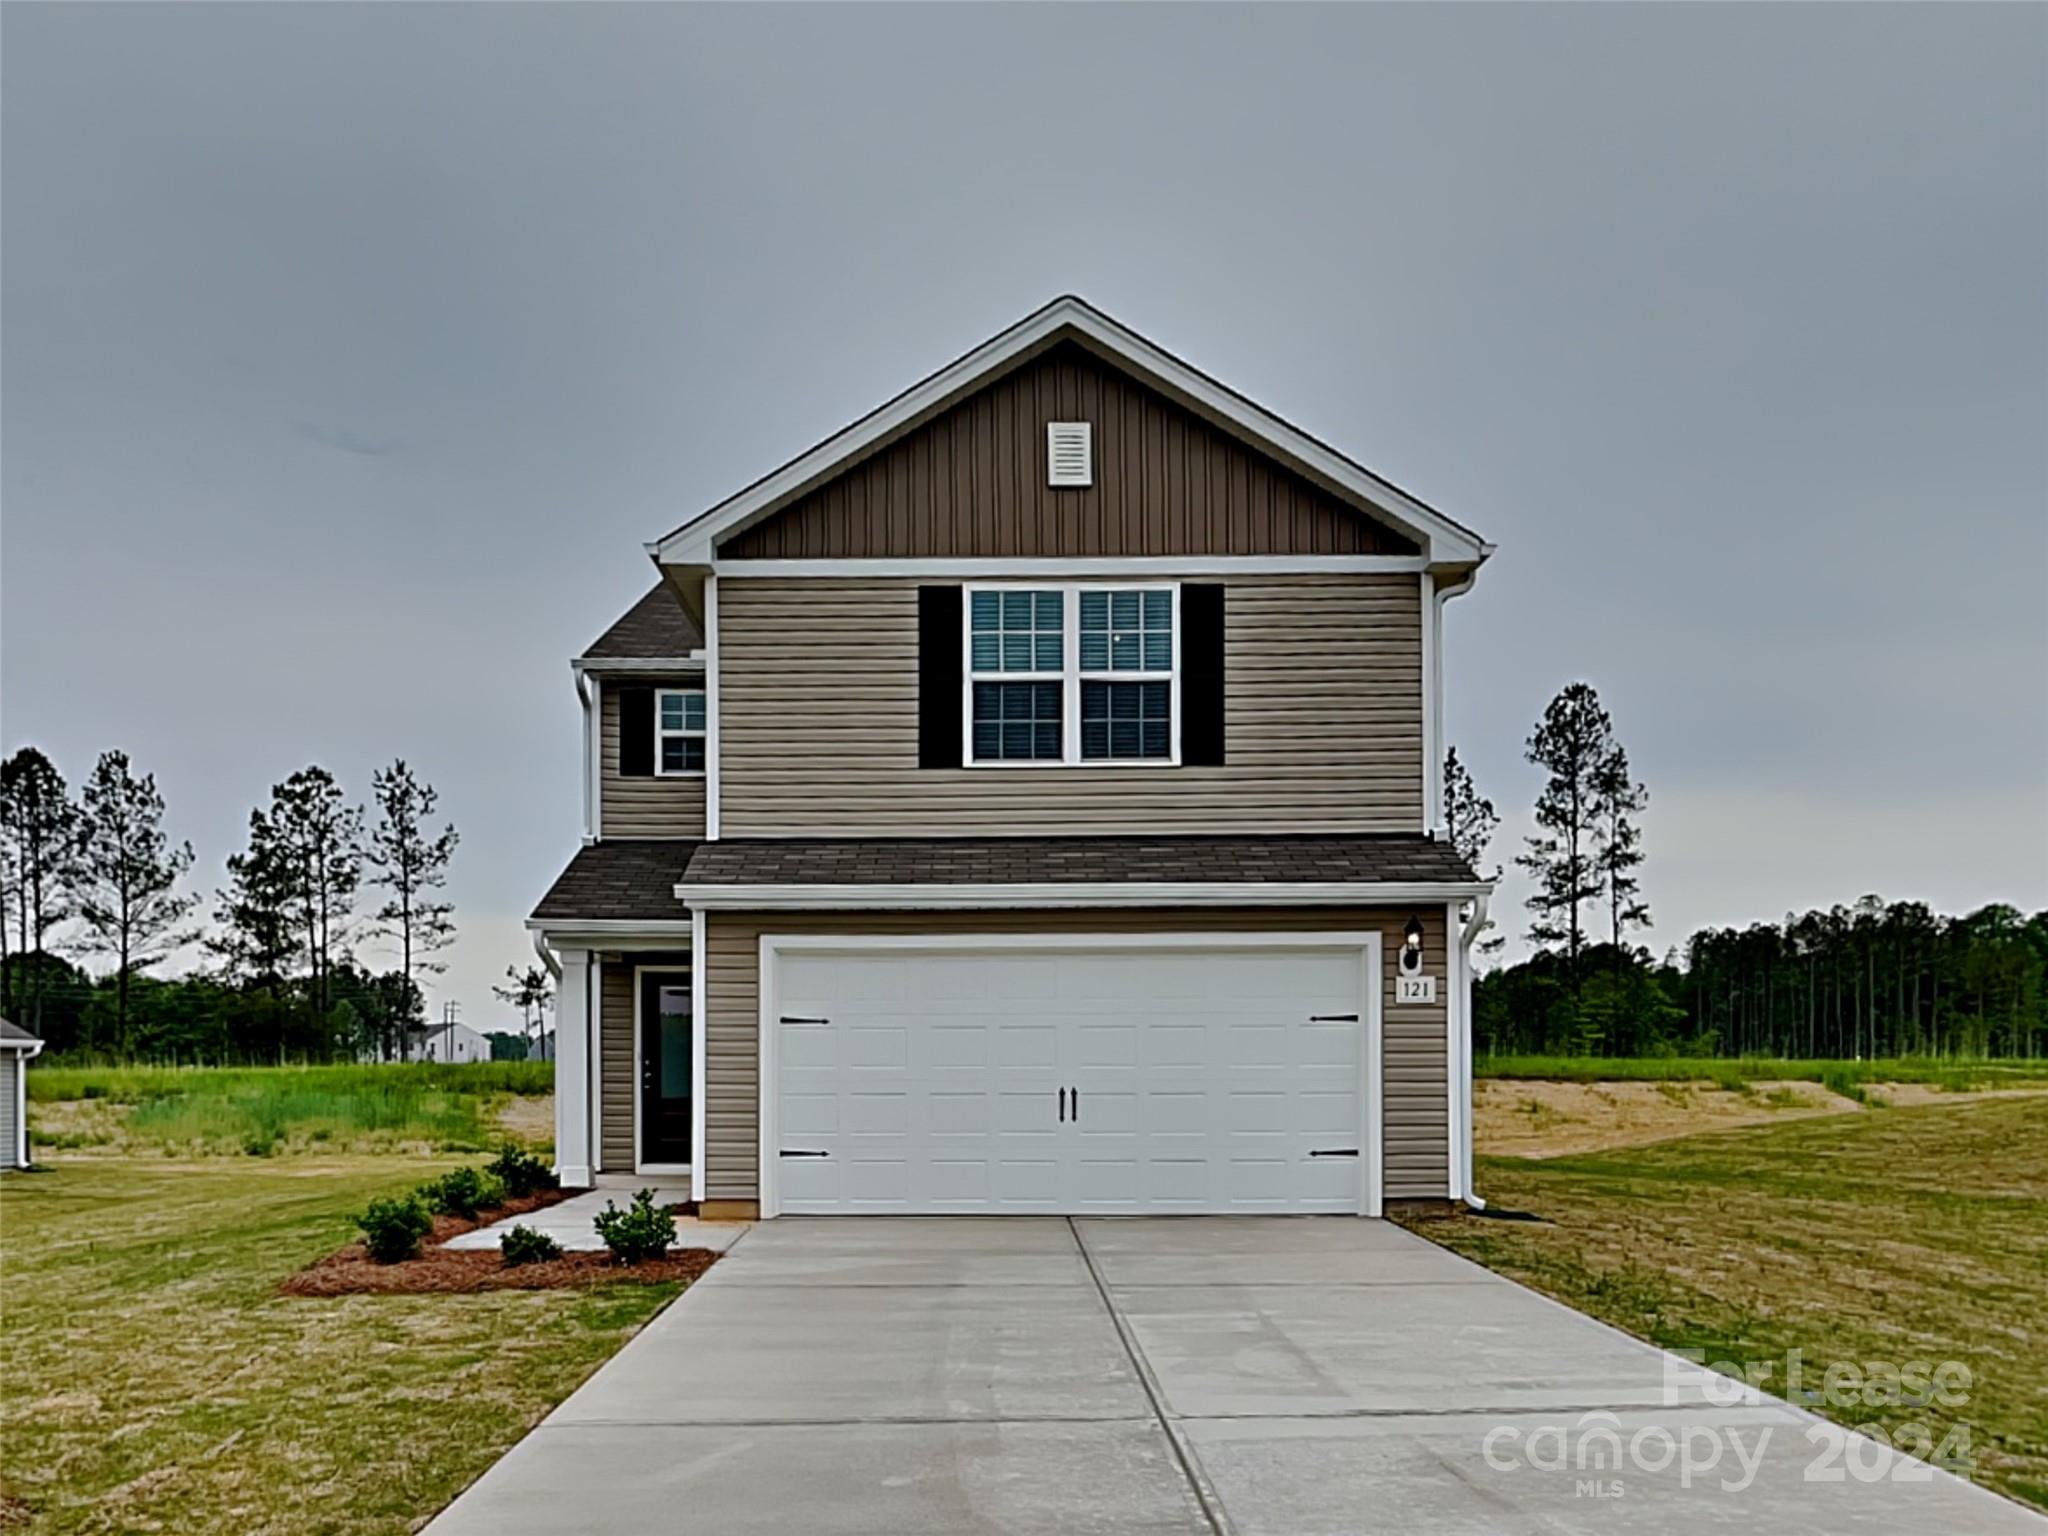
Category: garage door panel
[935,1082]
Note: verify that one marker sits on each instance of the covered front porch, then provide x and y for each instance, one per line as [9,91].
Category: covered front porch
[629,1048]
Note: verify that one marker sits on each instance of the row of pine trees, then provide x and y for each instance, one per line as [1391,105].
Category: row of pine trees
[94,879]
[1873,979]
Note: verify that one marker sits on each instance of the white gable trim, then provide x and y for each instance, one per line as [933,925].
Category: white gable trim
[1442,541]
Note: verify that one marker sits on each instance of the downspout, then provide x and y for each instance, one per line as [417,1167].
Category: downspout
[1462,1147]
[547,956]
[1467,936]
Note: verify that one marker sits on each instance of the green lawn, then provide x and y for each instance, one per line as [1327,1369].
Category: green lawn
[154,1380]
[1906,1233]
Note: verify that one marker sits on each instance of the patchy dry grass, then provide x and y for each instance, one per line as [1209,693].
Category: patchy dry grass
[1913,1232]
[157,1381]
[267,1111]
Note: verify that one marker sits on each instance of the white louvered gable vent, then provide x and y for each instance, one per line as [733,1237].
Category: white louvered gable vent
[1069,453]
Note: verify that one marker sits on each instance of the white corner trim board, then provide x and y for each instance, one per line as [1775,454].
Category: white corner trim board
[1160,893]
[1327,986]
[1441,539]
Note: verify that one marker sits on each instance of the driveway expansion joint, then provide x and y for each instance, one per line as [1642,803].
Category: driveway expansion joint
[1183,1453]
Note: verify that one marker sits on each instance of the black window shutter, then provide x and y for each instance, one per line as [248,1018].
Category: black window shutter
[938,677]
[636,733]
[1201,675]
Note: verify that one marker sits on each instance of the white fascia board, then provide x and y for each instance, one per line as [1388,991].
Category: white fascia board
[612,933]
[1442,540]
[1205,893]
[1082,567]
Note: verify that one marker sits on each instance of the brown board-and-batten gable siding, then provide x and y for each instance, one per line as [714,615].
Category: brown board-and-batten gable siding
[971,483]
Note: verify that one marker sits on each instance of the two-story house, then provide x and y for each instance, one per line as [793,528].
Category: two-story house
[1027,800]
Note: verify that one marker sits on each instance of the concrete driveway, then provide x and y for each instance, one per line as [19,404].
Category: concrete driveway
[1263,1376]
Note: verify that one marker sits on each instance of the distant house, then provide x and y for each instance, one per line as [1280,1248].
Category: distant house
[17,1045]
[453,1042]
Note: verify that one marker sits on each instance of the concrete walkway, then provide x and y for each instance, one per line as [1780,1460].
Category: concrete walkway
[573,1224]
[1200,1376]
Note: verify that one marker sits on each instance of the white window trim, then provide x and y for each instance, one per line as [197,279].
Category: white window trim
[661,735]
[1069,677]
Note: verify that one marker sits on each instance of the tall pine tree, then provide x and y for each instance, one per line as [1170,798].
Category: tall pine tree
[1571,743]
[1470,821]
[127,877]
[321,836]
[409,860]
[39,852]
[1619,853]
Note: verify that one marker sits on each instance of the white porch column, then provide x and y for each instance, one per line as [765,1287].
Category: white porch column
[573,1074]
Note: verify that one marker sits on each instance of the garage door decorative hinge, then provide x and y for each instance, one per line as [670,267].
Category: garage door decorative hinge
[787,1152]
[792,1018]
[1320,1152]
[1333,1018]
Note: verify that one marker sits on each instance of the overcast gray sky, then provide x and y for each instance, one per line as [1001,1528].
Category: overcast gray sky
[352,352]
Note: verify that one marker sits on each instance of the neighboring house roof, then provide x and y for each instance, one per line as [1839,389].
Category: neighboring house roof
[625,880]
[639,880]
[1443,540]
[14,1038]
[656,627]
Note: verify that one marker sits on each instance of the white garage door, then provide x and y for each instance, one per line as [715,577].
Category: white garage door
[1224,1076]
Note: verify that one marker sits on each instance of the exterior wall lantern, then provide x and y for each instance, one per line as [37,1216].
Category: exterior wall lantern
[1411,948]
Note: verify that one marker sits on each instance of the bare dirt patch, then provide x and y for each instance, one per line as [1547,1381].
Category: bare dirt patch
[530,1117]
[1545,1119]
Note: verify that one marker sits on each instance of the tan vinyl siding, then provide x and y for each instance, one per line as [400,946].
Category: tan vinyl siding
[617,1055]
[972,482]
[619,1050]
[819,721]
[1417,1132]
[644,807]
[11,1093]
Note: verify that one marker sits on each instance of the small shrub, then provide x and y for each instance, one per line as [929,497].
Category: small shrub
[392,1229]
[520,1171]
[523,1245]
[259,1146]
[641,1231]
[462,1192]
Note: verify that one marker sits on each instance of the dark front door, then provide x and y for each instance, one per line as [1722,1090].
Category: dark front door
[665,1067]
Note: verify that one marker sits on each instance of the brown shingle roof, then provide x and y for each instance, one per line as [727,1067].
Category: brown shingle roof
[656,626]
[631,880]
[621,880]
[1039,860]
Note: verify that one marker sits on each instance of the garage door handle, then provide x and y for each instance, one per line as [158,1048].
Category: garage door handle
[1321,1152]
[1077,1106]
[1063,1106]
[786,1152]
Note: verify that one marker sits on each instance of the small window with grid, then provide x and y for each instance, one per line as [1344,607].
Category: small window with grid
[679,730]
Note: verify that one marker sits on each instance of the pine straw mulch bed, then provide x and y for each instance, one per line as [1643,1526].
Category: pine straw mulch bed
[351,1271]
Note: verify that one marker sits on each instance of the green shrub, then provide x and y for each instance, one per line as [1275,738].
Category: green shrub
[462,1192]
[520,1171]
[642,1231]
[523,1245]
[392,1228]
